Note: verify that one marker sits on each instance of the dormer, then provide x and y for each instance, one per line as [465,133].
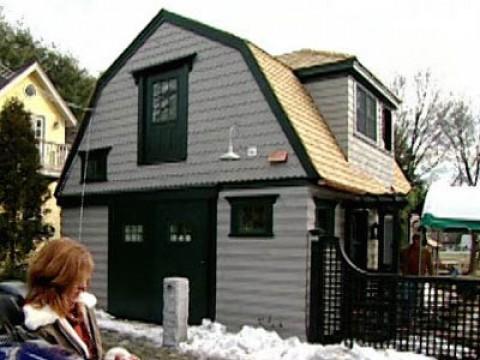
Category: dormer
[357,106]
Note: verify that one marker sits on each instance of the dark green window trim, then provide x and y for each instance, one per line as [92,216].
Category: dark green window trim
[96,169]
[366,113]
[163,139]
[325,216]
[239,205]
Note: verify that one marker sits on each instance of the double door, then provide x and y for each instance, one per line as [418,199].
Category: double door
[149,242]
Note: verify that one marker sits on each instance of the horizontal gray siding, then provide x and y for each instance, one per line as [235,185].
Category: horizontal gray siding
[363,152]
[263,281]
[331,97]
[222,93]
[95,237]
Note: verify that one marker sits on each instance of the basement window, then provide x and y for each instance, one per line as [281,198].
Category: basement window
[252,216]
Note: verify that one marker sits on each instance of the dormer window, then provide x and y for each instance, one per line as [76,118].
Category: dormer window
[366,114]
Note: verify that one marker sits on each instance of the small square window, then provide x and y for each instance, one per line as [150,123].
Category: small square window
[180,233]
[94,165]
[133,233]
[252,216]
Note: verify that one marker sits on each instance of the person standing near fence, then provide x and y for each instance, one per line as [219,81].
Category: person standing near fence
[416,259]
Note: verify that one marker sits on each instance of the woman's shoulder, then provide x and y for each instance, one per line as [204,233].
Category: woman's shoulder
[38,316]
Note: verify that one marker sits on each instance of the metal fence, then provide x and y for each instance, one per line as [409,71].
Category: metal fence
[436,316]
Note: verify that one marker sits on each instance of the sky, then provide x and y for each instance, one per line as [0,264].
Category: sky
[388,36]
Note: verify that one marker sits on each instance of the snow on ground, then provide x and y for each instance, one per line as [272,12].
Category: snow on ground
[212,341]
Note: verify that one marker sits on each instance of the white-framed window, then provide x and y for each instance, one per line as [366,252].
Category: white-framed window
[366,119]
[38,126]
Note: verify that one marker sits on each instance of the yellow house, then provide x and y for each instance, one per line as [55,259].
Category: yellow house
[50,118]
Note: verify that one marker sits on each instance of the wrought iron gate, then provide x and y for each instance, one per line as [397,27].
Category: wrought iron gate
[436,316]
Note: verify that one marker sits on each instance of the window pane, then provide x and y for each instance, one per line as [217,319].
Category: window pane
[180,232]
[133,233]
[172,85]
[371,118]
[164,101]
[172,107]
[361,110]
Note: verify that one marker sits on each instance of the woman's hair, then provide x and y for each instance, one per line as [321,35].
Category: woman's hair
[55,270]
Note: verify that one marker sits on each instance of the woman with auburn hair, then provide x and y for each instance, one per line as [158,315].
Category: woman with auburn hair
[58,308]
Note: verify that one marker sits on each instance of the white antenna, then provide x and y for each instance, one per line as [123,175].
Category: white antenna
[230,154]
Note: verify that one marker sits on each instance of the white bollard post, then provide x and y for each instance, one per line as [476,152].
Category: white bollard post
[175,310]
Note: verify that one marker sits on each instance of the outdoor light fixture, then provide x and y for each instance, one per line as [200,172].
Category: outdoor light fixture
[230,154]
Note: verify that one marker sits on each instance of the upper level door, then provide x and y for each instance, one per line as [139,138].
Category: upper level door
[38,127]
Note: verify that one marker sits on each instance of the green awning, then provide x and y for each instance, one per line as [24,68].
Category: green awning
[452,207]
[437,223]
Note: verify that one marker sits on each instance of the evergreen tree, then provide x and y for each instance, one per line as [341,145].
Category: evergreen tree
[23,189]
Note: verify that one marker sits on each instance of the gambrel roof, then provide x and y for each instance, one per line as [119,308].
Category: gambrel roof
[295,110]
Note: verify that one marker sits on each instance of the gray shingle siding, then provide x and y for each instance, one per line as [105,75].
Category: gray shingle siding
[95,237]
[362,152]
[331,97]
[263,281]
[222,92]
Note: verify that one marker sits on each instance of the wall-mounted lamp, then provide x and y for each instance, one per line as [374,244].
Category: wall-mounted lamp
[230,154]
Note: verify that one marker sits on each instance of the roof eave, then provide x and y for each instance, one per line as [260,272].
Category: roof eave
[71,120]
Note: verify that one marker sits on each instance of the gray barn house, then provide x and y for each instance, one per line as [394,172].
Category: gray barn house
[150,189]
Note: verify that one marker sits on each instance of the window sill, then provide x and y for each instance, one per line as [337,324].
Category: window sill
[87,181]
[262,235]
[371,142]
[159,162]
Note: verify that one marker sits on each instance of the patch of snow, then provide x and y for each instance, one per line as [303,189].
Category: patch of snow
[136,329]
[212,341]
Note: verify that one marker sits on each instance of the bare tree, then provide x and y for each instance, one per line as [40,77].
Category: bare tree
[418,144]
[461,129]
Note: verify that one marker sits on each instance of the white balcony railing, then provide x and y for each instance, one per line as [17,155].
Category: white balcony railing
[52,156]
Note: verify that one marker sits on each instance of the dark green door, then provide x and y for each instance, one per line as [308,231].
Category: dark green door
[165,121]
[130,262]
[175,244]
[181,246]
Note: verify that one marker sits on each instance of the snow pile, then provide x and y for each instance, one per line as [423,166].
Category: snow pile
[151,332]
[211,341]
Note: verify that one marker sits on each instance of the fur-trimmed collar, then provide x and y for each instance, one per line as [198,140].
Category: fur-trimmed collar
[37,317]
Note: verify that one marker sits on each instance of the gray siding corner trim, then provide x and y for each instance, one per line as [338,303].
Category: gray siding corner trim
[263,281]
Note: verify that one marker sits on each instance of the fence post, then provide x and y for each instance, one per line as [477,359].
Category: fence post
[175,310]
